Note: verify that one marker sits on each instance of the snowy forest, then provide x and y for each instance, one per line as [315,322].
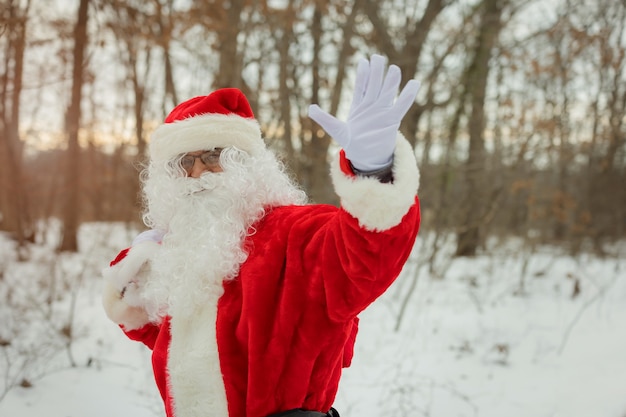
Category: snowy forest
[514,299]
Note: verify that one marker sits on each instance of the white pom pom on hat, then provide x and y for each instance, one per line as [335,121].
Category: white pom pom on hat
[221,119]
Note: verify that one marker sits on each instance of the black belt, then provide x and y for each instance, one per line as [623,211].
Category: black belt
[305,413]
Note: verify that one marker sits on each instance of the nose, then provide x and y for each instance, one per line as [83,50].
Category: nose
[198,168]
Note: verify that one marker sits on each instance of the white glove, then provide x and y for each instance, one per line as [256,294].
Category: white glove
[368,137]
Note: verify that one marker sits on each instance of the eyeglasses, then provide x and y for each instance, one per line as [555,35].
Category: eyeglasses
[210,159]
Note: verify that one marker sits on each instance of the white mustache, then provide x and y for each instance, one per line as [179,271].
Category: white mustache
[207,182]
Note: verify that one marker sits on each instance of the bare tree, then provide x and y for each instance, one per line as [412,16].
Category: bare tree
[282,22]
[164,24]
[287,55]
[316,148]
[229,47]
[14,210]
[477,76]
[605,189]
[71,210]
[131,27]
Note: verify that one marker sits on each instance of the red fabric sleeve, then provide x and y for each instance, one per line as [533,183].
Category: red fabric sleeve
[147,334]
[348,348]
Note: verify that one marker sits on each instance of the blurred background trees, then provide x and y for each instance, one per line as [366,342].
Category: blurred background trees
[519,126]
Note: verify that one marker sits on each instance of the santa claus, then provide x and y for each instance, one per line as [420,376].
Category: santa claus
[248,296]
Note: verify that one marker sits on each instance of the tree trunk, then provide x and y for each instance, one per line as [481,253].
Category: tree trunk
[71,209]
[230,65]
[346,51]
[285,20]
[14,213]
[316,150]
[163,38]
[468,238]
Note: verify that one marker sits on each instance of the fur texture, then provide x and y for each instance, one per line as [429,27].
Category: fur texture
[259,293]
[205,132]
[193,363]
[380,206]
[207,220]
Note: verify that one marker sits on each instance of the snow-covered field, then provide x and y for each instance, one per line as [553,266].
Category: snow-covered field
[472,340]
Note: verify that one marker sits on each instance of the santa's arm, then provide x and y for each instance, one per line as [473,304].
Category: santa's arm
[366,246]
[376,177]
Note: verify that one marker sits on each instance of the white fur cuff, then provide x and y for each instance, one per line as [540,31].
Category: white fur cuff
[379,206]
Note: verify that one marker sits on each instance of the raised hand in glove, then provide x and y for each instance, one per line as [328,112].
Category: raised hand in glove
[368,137]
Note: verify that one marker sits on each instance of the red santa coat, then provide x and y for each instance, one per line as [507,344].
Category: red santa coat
[286,325]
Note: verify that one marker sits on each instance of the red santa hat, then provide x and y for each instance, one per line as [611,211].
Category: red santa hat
[221,119]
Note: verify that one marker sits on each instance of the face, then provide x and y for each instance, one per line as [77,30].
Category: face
[198,162]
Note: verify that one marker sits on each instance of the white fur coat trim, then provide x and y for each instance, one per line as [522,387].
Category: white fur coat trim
[376,205]
[193,363]
[205,132]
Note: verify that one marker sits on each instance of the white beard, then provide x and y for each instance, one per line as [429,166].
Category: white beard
[207,220]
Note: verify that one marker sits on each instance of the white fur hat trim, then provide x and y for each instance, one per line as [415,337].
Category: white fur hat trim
[205,132]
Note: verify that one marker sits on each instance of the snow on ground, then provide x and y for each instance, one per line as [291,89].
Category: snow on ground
[471,342]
